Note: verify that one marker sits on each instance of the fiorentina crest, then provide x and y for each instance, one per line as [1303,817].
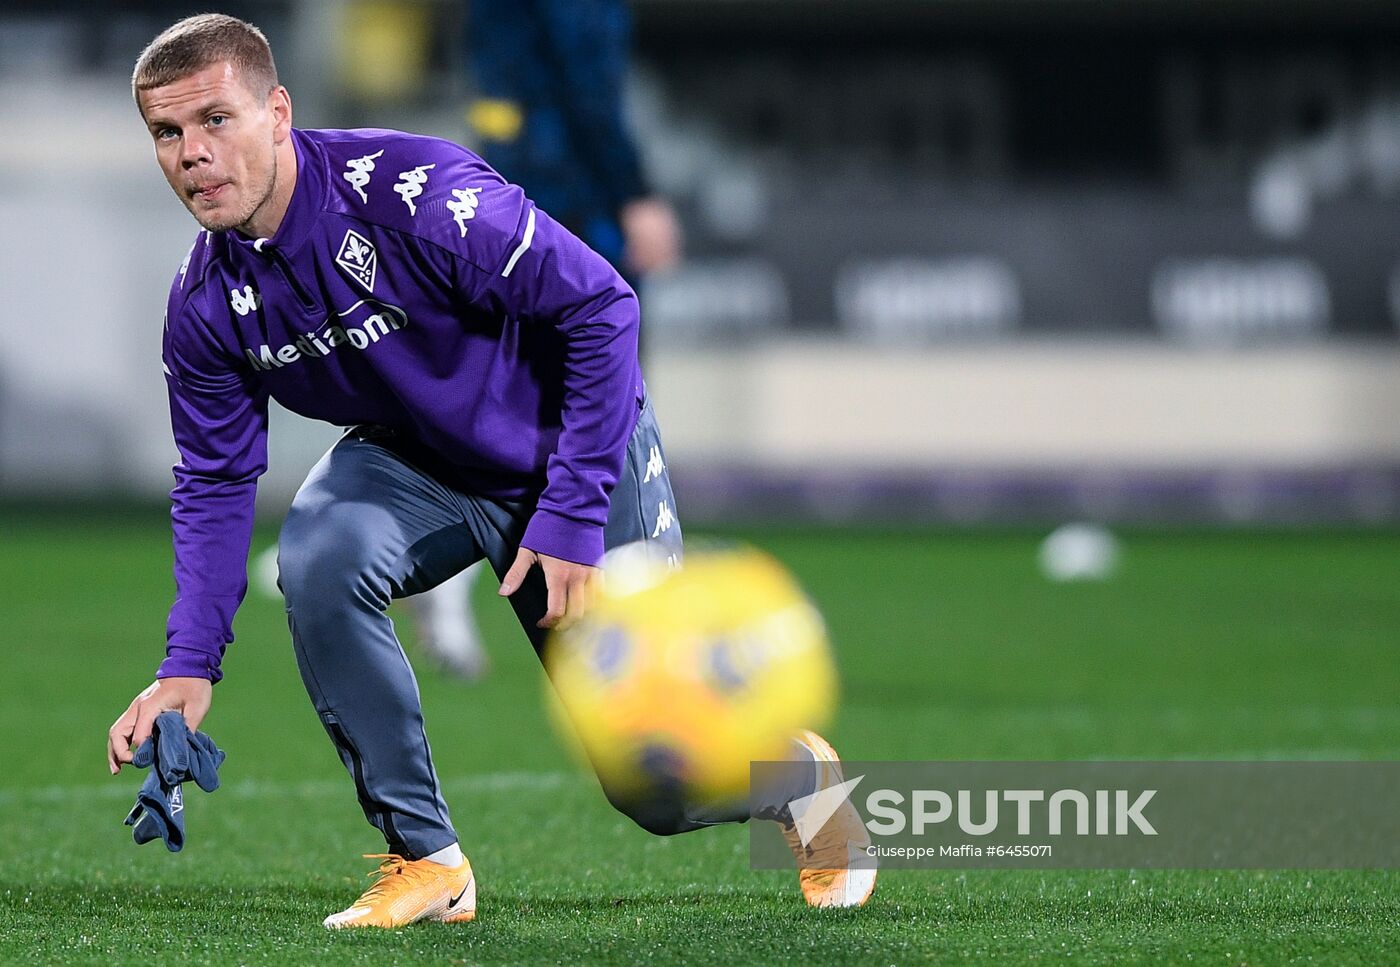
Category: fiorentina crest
[357,256]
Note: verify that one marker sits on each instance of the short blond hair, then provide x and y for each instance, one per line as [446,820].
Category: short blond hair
[200,41]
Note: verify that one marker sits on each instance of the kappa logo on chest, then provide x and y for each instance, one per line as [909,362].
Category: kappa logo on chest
[358,257]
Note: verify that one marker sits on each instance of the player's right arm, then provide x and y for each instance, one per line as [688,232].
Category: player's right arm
[218,415]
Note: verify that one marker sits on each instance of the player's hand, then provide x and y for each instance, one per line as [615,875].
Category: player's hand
[190,697]
[651,235]
[570,586]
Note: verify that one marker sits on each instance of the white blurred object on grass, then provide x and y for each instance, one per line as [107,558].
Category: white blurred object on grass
[264,573]
[1079,552]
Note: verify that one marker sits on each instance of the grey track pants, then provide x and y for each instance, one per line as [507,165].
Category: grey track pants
[368,526]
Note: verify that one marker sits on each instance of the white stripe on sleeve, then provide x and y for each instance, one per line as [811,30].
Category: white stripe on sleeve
[524,244]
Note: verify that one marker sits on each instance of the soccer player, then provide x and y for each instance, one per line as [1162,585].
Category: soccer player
[486,362]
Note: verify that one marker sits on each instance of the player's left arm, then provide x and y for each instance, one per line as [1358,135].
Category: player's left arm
[519,262]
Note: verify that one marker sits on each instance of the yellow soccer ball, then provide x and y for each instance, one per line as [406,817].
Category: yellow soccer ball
[677,679]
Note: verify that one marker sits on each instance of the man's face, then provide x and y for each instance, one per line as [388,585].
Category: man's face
[216,142]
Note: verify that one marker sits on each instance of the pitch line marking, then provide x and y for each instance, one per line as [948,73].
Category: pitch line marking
[269,788]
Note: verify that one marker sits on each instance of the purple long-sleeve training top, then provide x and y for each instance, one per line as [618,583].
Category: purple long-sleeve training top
[408,286]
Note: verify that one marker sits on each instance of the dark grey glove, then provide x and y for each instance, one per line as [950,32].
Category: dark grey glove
[176,756]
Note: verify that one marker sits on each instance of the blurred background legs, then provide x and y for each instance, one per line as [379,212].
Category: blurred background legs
[447,628]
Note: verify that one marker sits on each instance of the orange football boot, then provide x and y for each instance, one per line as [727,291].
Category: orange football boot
[406,891]
[833,868]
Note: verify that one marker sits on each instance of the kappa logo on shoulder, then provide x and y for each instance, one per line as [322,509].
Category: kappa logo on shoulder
[244,300]
[358,172]
[411,184]
[358,257]
[464,207]
[185,265]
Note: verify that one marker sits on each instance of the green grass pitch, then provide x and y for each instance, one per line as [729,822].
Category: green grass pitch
[1233,645]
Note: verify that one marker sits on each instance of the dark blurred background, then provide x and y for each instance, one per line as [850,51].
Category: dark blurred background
[954,260]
